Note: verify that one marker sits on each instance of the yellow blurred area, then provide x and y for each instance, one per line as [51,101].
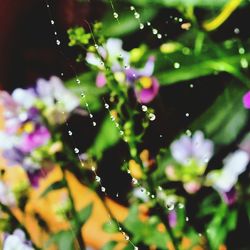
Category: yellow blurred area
[92,231]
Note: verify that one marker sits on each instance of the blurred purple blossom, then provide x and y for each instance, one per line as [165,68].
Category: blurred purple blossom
[192,148]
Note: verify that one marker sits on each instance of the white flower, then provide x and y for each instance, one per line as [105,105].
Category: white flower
[111,51]
[197,148]
[16,241]
[54,90]
[141,194]
[24,97]
[7,198]
[234,165]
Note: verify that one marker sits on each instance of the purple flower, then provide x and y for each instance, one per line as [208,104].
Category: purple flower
[196,148]
[246,100]
[100,80]
[31,141]
[229,197]
[172,218]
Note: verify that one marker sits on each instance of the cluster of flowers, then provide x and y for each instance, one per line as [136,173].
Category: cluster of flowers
[192,154]
[30,116]
[142,81]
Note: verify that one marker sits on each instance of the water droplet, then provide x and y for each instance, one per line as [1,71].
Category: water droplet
[187,114]
[241,51]
[137,15]
[191,86]
[144,108]
[97,178]
[58,42]
[159,188]
[141,26]
[180,20]
[120,229]
[82,95]
[115,15]
[103,189]
[244,63]
[132,8]
[136,248]
[126,237]
[148,193]
[78,81]
[86,104]
[90,115]
[180,205]
[52,22]
[76,150]
[177,65]
[106,106]
[47,5]
[236,31]
[148,23]
[93,168]
[96,46]
[170,206]
[55,33]
[199,234]
[159,36]
[152,196]
[155,31]
[121,132]
[188,132]
[151,117]
[134,181]
[62,74]
[128,171]
[70,133]
[112,117]
[117,195]
[187,219]
[94,124]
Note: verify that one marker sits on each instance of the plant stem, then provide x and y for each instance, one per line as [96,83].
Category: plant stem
[76,220]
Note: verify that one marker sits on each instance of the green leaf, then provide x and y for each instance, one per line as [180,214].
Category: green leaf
[107,136]
[84,214]
[109,246]
[127,22]
[226,116]
[64,240]
[110,227]
[54,186]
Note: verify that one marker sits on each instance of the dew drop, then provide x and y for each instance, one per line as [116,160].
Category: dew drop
[188,132]
[181,206]
[141,26]
[126,237]
[244,63]
[106,106]
[137,15]
[115,15]
[76,150]
[144,108]
[93,168]
[96,46]
[191,86]
[187,114]
[121,132]
[132,8]
[136,248]
[155,31]
[236,31]
[47,5]
[78,81]
[52,22]
[241,51]
[159,36]
[177,65]
[152,196]
[55,33]
[187,219]
[70,133]
[82,95]
[117,195]
[90,115]
[134,181]
[159,188]
[103,189]
[151,117]
[94,124]
[97,178]
[58,42]
[148,23]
